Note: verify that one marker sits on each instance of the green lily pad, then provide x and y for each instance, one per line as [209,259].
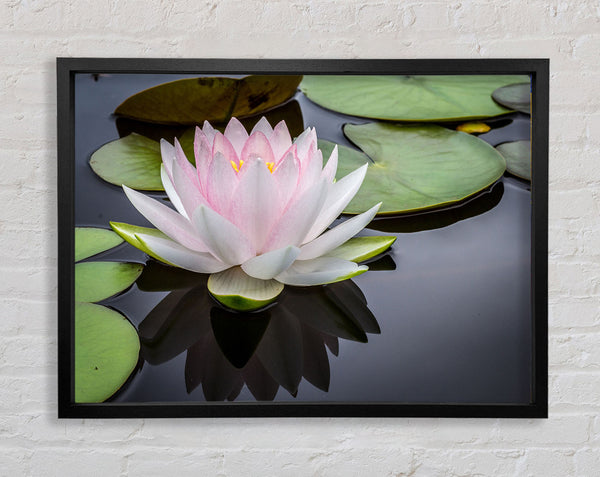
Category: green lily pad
[133,160]
[410,98]
[106,352]
[95,281]
[359,249]
[417,166]
[514,96]
[128,233]
[241,292]
[518,158]
[194,100]
[91,241]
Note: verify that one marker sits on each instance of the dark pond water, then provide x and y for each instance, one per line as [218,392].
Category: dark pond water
[445,316]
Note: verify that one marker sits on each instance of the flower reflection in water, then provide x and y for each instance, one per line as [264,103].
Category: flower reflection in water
[264,350]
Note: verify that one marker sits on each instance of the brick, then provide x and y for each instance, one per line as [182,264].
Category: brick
[573,279]
[63,461]
[581,351]
[548,462]
[575,389]
[587,462]
[163,461]
[574,313]
[15,461]
[558,431]
[469,462]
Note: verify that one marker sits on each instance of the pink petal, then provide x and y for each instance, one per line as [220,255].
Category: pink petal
[255,206]
[257,146]
[297,220]
[203,155]
[263,126]
[280,140]
[166,220]
[186,167]
[310,169]
[222,145]
[286,177]
[304,142]
[223,239]
[209,132]
[185,183]
[237,135]
[221,183]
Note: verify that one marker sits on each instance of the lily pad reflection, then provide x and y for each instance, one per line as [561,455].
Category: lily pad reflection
[273,348]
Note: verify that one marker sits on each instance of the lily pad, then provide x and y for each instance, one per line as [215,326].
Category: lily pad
[514,96]
[410,98]
[241,292]
[518,158]
[417,167]
[106,352]
[194,100]
[95,281]
[359,249]
[133,160]
[90,241]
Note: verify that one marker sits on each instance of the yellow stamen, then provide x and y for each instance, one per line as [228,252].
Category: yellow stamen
[270,165]
[237,168]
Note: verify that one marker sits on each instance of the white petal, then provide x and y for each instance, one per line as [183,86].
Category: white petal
[338,235]
[298,218]
[320,271]
[166,220]
[223,239]
[171,192]
[331,167]
[167,152]
[340,194]
[269,264]
[180,256]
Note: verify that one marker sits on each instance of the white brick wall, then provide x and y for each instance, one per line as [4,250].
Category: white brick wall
[33,442]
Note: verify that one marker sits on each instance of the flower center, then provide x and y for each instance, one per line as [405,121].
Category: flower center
[237,167]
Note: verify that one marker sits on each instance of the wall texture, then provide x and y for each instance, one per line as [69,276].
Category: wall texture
[33,33]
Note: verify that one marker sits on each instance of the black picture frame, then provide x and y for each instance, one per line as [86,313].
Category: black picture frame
[67,68]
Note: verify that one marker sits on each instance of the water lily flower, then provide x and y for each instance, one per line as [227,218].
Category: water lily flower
[254,213]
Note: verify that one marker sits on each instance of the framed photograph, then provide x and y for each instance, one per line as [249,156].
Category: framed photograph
[302,237]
